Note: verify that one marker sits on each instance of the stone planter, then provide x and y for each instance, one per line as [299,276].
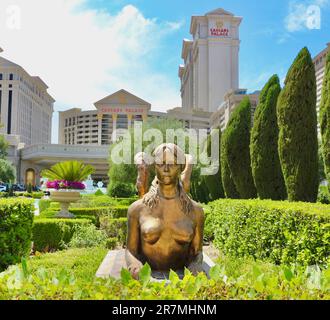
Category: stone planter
[64,197]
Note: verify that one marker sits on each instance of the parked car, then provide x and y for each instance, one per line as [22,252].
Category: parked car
[3,188]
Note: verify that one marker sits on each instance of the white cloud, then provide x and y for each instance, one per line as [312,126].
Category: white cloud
[304,15]
[84,54]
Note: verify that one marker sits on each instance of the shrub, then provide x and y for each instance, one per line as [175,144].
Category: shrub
[297,121]
[325,118]
[29,188]
[280,232]
[238,149]
[53,234]
[70,275]
[98,193]
[265,162]
[111,243]
[121,189]
[86,235]
[115,228]
[323,195]
[16,218]
[44,204]
[213,182]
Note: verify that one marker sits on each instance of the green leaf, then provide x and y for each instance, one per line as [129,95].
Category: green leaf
[288,273]
[24,267]
[173,277]
[145,274]
[125,276]
[215,273]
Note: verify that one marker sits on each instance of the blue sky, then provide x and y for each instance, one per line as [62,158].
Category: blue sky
[87,49]
[267,45]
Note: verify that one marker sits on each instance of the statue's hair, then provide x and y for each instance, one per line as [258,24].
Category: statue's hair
[152,198]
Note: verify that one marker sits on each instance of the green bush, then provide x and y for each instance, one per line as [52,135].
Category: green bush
[111,243]
[98,193]
[121,189]
[86,236]
[115,228]
[44,204]
[325,118]
[70,275]
[53,234]
[213,182]
[281,232]
[16,219]
[297,122]
[226,176]
[29,188]
[323,195]
[265,162]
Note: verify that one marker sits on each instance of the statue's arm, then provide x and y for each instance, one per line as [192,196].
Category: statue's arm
[133,239]
[196,263]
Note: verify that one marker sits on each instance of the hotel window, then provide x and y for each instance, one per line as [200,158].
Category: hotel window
[1,76]
[10,98]
[66,122]
[11,77]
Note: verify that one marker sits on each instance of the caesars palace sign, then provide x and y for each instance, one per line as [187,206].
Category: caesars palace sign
[219,30]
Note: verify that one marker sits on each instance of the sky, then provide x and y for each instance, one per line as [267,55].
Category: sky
[87,49]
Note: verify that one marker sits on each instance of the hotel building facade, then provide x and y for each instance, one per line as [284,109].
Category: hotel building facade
[26,108]
[211,65]
[117,111]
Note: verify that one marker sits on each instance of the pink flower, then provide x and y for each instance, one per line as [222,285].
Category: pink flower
[64,184]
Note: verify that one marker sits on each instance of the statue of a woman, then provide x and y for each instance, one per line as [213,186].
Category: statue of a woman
[165,227]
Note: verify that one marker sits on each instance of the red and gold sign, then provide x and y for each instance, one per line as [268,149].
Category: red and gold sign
[219,30]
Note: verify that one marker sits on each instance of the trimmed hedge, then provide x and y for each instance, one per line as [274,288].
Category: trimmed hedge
[265,162]
[54,234]
[237,150]
[325,118]
[280,232]
[16,219]
[115,228]
[297,122]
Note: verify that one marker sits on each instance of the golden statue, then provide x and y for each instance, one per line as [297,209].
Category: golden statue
[165,227]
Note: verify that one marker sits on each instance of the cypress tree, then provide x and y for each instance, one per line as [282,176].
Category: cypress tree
[226,177]
[238,149]
[297,121]
[265,162]
[213,182]
[325,118]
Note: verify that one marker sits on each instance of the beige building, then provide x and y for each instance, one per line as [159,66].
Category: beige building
[117,111]
[232,99]
[210,66]
[26,108]
[319,63]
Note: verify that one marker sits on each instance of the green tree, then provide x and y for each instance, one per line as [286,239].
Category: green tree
[126,173]
[7,171]
[325,118]
[238,149]
[213,182]
[3,147]
[297,121]
[265,162]
[226,176]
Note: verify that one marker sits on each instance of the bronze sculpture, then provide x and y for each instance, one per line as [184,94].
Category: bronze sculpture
[165,227]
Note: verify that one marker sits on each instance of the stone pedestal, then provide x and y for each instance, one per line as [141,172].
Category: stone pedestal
[114,261]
